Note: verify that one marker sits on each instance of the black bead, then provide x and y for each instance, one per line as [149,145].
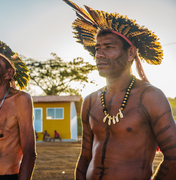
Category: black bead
[104,109]
[125,99]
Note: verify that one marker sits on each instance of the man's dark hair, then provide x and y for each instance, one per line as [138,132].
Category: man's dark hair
[103,32]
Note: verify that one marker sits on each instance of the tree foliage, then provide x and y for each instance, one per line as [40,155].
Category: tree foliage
[173,106]
[56,76]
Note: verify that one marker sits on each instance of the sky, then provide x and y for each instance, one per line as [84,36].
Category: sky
[37,28]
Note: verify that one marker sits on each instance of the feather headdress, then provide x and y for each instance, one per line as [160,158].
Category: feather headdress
[90,22]
[21,71]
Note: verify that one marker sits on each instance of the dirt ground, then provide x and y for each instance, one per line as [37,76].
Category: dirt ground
[57,160]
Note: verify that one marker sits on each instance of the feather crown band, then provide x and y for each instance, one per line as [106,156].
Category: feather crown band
[89,22]
[21,71]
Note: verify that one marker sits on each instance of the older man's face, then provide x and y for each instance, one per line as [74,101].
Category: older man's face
[2,69]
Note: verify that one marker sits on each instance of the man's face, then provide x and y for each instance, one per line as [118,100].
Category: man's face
[111,59]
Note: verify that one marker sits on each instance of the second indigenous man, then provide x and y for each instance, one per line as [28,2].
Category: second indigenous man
[124,122]
[17,142]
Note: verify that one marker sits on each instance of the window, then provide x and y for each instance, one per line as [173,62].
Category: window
[38,119]
[55,113]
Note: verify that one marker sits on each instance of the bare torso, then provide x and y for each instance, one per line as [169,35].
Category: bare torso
[124,150]
[10,148]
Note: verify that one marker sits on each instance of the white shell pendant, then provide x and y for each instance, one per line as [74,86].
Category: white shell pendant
[117,118]
[109,122]
[104,119]
[113,120]
[121,114]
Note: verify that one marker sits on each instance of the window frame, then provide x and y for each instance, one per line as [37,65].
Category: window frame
[54,113]
[38,108]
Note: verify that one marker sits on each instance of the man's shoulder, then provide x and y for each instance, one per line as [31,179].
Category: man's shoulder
[93,96]
[90,99]
[20,95]
[149,92]
[147,89]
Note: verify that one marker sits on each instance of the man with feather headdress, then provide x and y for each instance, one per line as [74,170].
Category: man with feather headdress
[17,140]
[125,121]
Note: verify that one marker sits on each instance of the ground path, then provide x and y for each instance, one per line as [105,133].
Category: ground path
[56,160]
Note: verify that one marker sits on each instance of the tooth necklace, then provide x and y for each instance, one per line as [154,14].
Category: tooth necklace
[5,97]
[115,118]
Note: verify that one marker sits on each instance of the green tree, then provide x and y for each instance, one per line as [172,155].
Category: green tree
[173,106]
[56,76]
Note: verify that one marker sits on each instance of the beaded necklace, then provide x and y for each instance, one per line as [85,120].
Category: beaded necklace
[115,119]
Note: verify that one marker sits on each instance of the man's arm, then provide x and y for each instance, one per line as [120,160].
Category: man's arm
[164,129]
[27,137]
[87,138]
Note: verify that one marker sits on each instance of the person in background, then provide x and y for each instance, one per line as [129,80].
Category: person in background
[46,136]
[57,136]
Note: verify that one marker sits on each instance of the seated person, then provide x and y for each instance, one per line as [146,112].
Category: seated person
[56,136]
[46,136]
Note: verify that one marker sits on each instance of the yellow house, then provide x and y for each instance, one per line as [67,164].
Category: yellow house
[57,113]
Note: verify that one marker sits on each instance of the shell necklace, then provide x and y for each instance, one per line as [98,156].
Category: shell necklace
[115,118]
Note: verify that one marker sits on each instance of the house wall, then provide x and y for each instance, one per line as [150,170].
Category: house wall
[61,125]
[73,122]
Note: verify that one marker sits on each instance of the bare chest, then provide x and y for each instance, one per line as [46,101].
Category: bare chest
[133,121]
[8,118]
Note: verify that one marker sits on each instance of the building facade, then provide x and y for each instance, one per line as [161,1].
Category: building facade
[57,113]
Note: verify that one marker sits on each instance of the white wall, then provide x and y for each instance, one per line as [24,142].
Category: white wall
[73,121]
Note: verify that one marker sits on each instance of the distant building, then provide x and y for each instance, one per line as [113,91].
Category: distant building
[59,113]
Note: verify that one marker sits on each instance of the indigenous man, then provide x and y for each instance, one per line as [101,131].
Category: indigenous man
[124,122]
[17,140]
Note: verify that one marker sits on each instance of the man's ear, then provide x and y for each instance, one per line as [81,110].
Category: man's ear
[9,73]
[132,53]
